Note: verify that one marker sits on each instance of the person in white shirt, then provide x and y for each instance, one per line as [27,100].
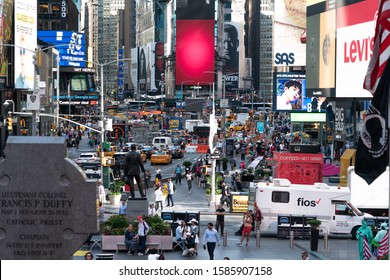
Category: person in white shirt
[158,194]
[170,193]
[153,254]
[152,210]
[102,192]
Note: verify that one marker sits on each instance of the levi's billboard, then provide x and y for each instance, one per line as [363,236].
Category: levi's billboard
[352,23]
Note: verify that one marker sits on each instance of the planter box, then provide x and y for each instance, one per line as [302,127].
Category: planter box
[165,241]
[109,241]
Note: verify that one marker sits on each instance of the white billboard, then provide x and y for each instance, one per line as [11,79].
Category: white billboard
[355,38]
[289,33]
[25,43]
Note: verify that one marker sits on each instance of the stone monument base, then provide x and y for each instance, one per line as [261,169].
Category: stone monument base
[137,206]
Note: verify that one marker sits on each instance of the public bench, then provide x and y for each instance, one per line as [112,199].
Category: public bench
[122,246]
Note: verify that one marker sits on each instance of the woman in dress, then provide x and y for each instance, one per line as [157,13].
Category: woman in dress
[195,233]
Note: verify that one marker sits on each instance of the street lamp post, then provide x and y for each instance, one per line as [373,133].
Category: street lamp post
[213,132]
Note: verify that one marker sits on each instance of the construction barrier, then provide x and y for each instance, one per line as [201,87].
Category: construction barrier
[202,149]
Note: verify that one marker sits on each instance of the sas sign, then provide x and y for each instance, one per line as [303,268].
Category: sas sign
[284,58]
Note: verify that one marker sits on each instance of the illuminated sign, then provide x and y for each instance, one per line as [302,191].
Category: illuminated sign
[239,203]
[308,117]
[71,45]
[290,92]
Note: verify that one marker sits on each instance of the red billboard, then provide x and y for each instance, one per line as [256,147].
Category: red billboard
[195,51]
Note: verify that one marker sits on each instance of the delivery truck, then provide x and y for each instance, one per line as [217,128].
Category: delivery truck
[373,198]
[329,204]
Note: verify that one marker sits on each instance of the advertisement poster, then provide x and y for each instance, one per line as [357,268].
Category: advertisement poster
[289,33]
[26,43]
[290,92]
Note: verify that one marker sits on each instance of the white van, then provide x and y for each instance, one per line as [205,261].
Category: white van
[329,204]
[162,142]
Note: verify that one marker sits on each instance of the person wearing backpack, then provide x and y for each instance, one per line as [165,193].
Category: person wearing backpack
[178,171]
[258,217]
[198,173]
[143,229]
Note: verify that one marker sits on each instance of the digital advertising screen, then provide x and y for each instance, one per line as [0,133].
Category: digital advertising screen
[290,92]
[71,45]
[195,41]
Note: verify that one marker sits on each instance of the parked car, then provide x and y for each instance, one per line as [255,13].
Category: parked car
[175,151]
[160,157]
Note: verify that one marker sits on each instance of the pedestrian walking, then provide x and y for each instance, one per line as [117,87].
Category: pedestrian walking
[178,171]
[189,179]
[225,195]
[210,240]
[148,176]
[170,193]
[220,223]
[158,174]
[194,229]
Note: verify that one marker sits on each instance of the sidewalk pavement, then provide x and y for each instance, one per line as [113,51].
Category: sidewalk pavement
[271,248]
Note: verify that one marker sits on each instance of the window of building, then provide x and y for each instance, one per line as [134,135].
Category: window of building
[55,8]
[43,8]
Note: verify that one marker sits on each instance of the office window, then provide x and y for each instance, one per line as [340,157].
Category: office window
[55,8]
[43,8]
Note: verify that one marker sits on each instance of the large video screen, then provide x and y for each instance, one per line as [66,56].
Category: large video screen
[290,92]
[71,45]
[339,40]
[195,41]
[195,51]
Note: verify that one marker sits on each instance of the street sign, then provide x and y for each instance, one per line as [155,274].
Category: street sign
[215,156]
[224,103]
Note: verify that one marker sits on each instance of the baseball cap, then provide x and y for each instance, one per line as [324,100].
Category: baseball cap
[139,218]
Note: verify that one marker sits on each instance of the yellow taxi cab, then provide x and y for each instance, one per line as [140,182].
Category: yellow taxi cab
[143,155]
[236,126]
[160,157]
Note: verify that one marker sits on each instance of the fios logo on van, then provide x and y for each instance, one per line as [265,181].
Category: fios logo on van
[308,203]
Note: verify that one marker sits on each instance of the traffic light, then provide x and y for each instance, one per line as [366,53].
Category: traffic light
[9,124]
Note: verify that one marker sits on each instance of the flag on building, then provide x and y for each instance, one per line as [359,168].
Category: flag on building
[383,248]
[371,155]
[366,248]
[381,51]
